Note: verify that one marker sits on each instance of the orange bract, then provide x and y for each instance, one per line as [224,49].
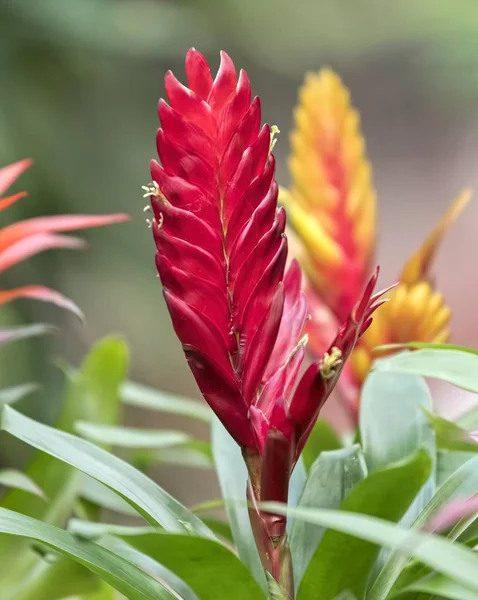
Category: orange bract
[331,203]
[23,239]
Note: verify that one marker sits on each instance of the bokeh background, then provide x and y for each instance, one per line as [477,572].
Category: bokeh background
[79,83]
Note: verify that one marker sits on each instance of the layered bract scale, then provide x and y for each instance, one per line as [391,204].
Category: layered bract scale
[221,256]
[221,245]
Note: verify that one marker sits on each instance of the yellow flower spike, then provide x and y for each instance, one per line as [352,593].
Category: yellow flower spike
[331,201]
[332,207]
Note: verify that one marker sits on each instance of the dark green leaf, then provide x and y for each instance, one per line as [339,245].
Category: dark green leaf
[333,475]
[323,437]
[122,548]
[209,568]
[386,494]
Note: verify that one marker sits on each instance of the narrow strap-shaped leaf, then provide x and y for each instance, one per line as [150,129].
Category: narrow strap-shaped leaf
[143,396]
[232,474]
[462,482]
[208,567]
[386,494]
[450,558]
[155,504]
[457,367]
[121,574]
[333,475]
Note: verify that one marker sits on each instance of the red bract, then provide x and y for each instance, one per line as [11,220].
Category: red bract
[221,254]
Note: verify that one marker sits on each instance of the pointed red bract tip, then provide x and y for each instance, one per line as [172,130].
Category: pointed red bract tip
[221,249]
[321,378]
[198,74]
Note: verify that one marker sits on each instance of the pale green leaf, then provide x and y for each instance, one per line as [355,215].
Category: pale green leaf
[232,474]
[116,571]
[332,476]
[151,501]
[454,366]
[142,396]
[386,494]
[450,558]
[16,479]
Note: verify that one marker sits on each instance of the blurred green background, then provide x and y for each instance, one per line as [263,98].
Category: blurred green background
[79,83]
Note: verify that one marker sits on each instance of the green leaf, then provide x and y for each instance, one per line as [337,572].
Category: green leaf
[135,394]
[232,474]
[209,568]
[150,500]
[95,492]
[454,366]
[393,426]
[332,476]
[439,585]
[105,592]
[296,486]
[194,454]
[392,422]
[146,563]
[386,494]
[423,346]
[461,483]
[122,575]
[91,530]
[450,558]
[449,462]
[451,436]
[54,579]
[92,394]
[220,528]
[13,394]
[469,420]
[130,437]
[323,437]
[16,479]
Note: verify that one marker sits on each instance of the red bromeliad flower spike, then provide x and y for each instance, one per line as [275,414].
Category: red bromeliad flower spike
[221,256]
